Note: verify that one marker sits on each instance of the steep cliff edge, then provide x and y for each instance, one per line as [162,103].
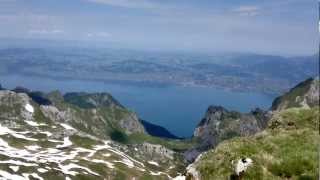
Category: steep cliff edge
[220,124]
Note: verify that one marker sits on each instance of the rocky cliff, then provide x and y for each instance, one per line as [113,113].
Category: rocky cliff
[220,124]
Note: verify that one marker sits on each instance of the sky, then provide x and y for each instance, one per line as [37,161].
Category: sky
[282,27]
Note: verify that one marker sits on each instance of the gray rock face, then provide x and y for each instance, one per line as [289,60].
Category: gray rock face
[211,121]
[55,114]
[305,94]
[155,150]
[220,124]
[131,124]
[12,107]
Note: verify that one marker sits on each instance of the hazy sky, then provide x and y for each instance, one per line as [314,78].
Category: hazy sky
[262,26]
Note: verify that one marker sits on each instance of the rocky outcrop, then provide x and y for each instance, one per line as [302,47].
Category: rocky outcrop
[12,108]
[131,124]
[220,124]
[155,150]
[305,94]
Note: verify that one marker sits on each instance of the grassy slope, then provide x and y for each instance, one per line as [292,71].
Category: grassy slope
[287,149]
[174,144]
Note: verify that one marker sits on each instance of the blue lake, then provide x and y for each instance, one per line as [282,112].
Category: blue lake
[179,109]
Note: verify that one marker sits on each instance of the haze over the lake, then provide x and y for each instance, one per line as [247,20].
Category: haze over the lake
[286,27]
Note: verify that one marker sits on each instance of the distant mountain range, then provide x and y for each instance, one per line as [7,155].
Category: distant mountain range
[238,72]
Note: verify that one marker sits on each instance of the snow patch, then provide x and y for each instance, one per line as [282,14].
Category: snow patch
[7,175]
[67,127]
[34,175]
[106,155]
[33,148]
[46,133]
[5,130]
[155,174]
[153,163]
[127,162]
[42,170]
[32,123]
[66,169]
[14,168]
[34,155]
[66,143]
[108,147]
[29,108]
[19,163]
[55,141]
[179,178]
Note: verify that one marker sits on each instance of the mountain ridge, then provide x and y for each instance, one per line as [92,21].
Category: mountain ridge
[91,135]
[69,138]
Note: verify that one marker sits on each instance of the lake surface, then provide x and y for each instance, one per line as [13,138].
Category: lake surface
[179,109]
